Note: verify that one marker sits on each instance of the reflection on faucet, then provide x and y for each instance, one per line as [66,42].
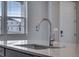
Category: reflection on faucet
[38,27]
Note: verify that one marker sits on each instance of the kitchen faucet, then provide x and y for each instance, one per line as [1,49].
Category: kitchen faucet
[50,37]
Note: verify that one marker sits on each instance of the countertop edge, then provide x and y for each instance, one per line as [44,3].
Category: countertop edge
[24,51]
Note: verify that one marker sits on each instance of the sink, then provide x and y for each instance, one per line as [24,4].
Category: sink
[57,47]
[34,46]
[38,47]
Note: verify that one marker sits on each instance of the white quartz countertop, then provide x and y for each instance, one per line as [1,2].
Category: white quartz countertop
[70,50]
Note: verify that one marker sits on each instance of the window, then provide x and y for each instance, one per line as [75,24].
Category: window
[15,17]
[0,16]
[15,20]
[14,8]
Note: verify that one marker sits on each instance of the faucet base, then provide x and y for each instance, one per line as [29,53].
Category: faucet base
[51,42]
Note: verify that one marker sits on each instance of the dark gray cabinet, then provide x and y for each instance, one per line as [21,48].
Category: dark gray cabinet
[7,52]
[11,53]
[1,51]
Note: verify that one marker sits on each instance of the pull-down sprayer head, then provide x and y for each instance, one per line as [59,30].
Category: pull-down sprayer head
[37,27]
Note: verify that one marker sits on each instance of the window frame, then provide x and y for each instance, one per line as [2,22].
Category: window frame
[22,17]
[4,17]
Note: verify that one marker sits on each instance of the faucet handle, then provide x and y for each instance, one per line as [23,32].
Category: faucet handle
[37,28]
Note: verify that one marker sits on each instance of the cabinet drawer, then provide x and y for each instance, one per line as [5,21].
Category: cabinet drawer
[1,51]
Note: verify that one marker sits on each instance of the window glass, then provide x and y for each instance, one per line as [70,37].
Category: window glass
[15,21]
[17,26]
[14,8]
[0,16]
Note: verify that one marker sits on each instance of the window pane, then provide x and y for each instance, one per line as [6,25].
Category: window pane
[0,25]
[14,8]
[15,25]
[0,8]
[15,22]
[0,16]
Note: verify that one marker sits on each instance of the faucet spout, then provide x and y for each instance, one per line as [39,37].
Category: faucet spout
[38,27]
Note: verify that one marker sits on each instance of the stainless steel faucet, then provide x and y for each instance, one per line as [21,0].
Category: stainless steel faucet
[50,37]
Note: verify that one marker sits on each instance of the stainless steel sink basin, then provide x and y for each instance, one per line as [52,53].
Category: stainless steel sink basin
[34,46]
[38,47]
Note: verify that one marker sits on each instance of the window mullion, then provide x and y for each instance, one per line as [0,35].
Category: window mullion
[4,17]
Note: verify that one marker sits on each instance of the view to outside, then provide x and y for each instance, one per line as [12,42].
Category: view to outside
[14,8]
[0,17]
[15,22]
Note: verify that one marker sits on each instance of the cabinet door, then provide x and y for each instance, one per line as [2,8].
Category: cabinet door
[11,53]
[1,51]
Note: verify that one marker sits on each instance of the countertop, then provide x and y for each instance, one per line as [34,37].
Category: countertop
[70,50]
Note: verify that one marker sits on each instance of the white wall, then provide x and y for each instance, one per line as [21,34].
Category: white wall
[53,15]
[37,10]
